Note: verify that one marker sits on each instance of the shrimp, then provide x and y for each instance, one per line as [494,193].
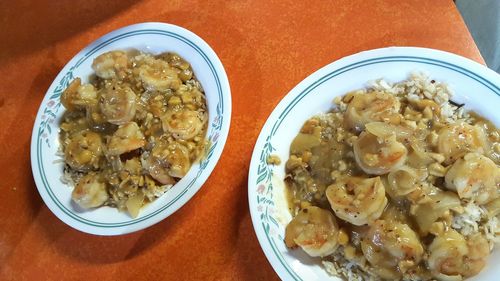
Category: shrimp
[118,104]
[479,249]
[370,107]
[128,137]
[167,161]
[111,65]
[178,158]
[391,248]
[474,177]
[157,75]
[184,67]
[314,230]
[378,156]
[457,139]
[184,124]
[90,192]
[83,151]
[157,169]
[77,96]
[452,257]
[175,60]
[96,121]
[357,200]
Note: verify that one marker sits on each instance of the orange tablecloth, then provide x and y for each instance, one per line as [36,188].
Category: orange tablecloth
[266,48]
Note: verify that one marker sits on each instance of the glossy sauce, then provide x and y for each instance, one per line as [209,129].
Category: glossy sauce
[322,154]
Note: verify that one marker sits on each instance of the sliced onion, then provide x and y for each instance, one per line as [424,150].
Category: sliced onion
[428,213]
[134,204]
[493,207]
[445,200]
[304,142]
[402,181]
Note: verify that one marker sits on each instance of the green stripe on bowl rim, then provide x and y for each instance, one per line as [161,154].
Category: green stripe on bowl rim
[414,59]
[215,128]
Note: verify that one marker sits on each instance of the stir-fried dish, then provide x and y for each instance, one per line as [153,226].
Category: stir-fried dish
[133,131]
[397,182]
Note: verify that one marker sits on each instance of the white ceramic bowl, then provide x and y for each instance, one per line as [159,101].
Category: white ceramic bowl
[152,38]
[473,84]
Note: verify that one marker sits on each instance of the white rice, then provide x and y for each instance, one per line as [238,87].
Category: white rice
[467,223]
[475,219]
[420,86]
[349,270]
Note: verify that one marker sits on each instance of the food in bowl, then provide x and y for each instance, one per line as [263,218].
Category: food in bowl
[133,131]
[397,182]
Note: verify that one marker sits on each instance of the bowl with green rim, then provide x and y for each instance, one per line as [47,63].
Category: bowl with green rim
[46,163]
[474,85]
